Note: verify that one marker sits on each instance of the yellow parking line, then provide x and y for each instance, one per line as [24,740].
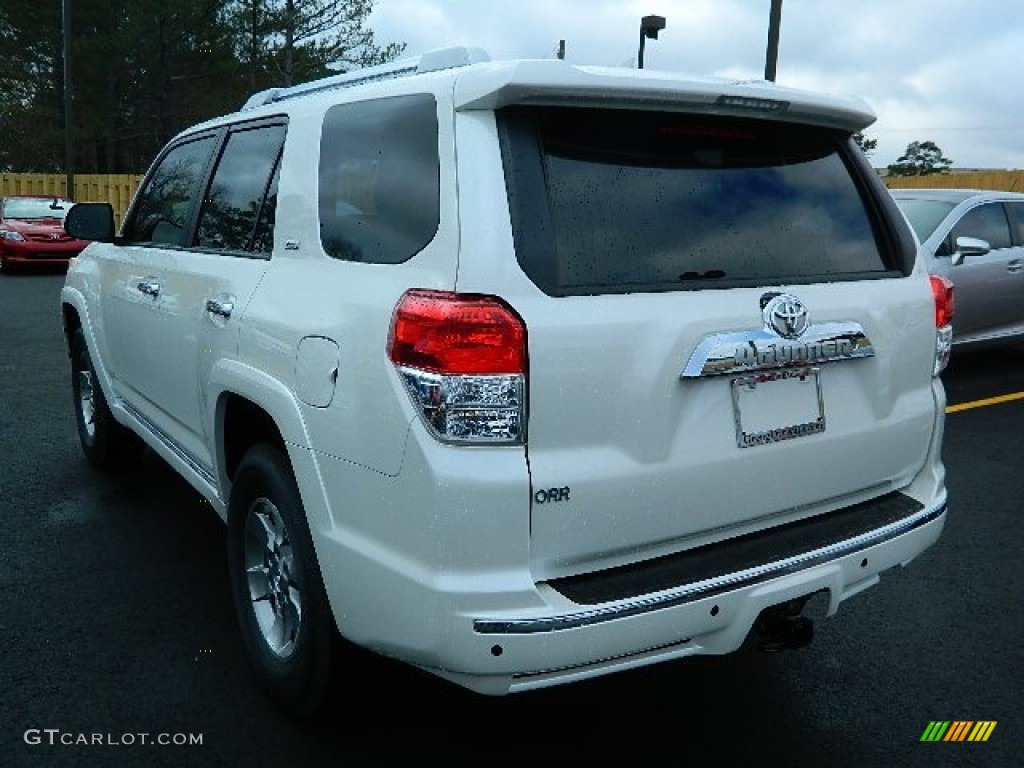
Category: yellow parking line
[983,403]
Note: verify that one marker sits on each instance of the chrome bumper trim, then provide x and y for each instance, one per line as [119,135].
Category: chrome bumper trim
[698,590]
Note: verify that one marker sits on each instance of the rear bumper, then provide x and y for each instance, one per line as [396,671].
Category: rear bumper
[447,587]
[726,566]
[712,616]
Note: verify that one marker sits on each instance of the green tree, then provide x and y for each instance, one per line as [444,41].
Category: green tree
[142,70]
[867,146]
[294,40]
[253,25]
[922,158]
[31,90]
[145,69]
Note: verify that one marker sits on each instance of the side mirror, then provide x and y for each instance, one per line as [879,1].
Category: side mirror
[91,221]
[969,246]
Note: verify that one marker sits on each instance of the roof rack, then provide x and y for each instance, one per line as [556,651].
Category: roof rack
[432,61]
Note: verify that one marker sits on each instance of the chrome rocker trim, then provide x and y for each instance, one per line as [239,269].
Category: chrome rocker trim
[168,443]
[695,591]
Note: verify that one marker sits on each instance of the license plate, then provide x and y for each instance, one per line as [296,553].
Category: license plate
[777,405]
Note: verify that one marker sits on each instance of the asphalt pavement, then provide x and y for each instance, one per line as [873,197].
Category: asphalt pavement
[119,634]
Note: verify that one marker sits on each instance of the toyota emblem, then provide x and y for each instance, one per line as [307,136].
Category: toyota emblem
[785,315]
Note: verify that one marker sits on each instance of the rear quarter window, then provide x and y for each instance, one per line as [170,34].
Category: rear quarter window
[616,201]
[379,179]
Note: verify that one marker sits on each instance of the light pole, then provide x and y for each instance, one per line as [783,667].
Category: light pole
[774,22]
[69,144]
[650,26]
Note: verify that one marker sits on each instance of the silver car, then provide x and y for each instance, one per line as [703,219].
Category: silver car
[976,239]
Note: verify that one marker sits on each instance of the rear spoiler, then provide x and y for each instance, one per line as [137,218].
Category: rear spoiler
[554,82]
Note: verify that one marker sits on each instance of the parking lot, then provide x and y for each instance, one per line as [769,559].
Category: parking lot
[117,620]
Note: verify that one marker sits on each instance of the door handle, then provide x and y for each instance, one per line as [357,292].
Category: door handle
[149,286]
[221,307]
[1014,266]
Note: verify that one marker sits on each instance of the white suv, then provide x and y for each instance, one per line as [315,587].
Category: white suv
[518,371]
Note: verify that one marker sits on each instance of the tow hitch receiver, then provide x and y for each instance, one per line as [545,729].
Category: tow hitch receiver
[782,628]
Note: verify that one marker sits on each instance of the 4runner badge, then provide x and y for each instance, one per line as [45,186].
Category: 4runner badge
[551,495]
[787,338]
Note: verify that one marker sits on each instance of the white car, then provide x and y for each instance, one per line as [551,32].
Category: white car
[522,372]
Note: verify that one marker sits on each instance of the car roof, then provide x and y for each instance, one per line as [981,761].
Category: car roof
[954,195]
[480,83]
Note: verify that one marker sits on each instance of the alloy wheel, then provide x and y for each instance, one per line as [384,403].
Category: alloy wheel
[270,571]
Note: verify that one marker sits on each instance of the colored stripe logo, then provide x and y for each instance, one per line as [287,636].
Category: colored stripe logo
[958,730]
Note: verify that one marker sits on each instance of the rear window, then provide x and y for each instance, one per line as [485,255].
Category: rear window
[614,201]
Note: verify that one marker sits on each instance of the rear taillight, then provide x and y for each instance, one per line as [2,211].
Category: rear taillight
[463,360]
[945,308]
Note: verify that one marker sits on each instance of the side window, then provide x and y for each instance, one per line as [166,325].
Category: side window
[263,240]
[379,179]
[238,209]
[987,222]
[166,201]
[1016,211]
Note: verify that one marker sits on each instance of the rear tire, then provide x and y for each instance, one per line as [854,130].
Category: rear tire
[107,444]
[286,622]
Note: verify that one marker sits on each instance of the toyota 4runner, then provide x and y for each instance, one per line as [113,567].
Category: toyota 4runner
[521,372]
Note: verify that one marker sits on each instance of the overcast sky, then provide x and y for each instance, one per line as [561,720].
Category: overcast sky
[948,71]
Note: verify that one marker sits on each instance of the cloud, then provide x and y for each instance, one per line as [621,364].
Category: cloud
[942,71]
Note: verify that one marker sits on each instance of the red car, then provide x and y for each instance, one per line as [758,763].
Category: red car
[32,232]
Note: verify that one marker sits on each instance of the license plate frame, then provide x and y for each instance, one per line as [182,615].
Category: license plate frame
[773,406]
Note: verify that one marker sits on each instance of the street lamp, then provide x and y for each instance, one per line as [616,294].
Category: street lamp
[69,144]
[650,26]
[772,55]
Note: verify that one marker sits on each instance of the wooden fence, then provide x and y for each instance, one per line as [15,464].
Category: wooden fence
[119,189]
[89,188]
[1007,181]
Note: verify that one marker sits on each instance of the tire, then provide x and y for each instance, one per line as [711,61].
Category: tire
[285,619]
[107,445]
